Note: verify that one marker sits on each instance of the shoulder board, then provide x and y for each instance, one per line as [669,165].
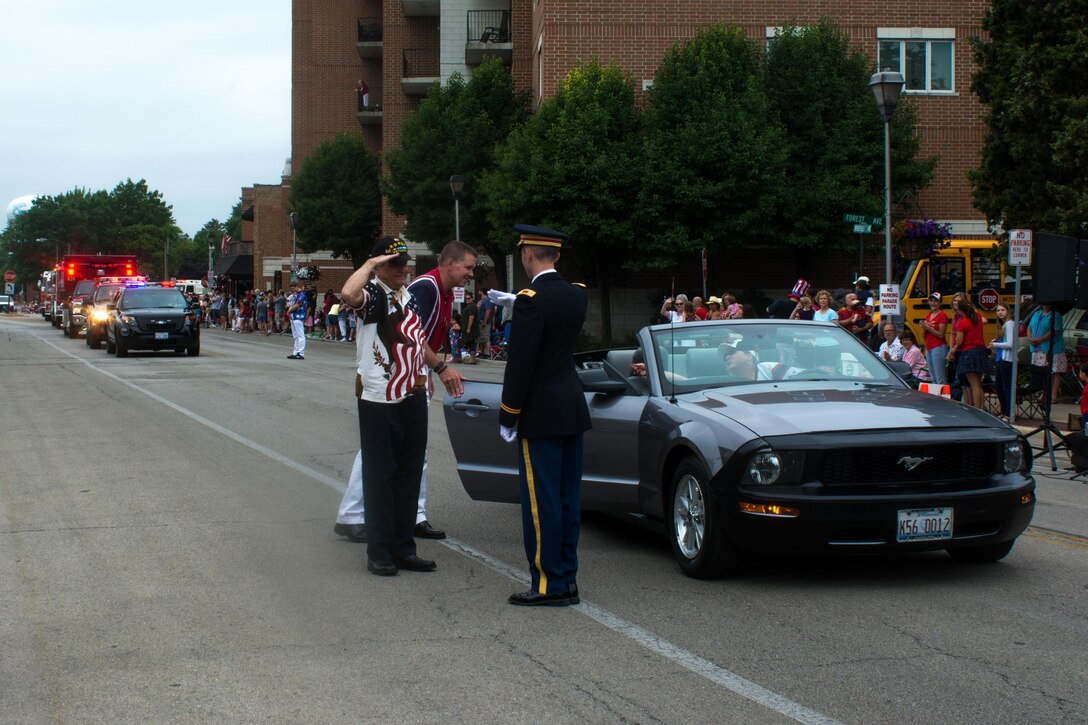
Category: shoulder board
[578,284]
[528,292]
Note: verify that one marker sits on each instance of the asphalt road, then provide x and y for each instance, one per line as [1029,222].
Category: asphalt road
[167,555]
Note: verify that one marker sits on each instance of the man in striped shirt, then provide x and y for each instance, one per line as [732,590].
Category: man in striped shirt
[433,294]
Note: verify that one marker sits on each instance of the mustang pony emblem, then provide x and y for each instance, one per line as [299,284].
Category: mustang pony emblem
[912,462]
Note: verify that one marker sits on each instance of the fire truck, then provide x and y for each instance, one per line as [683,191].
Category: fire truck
[75,279]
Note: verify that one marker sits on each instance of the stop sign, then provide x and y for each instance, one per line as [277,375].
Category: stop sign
[987,298]
[9,276]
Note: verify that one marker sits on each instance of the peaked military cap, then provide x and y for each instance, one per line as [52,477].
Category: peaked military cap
[540,236]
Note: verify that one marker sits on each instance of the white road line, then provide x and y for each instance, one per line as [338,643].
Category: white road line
[678,655]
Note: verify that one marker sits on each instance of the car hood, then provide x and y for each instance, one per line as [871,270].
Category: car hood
[775,409]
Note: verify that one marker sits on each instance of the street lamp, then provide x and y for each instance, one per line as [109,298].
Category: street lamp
[457,185]
[211,246]
[293,216]
[886,87]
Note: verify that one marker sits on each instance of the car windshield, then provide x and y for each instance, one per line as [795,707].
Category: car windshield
[696,356]
[84,287]
[105,292]
[151,297]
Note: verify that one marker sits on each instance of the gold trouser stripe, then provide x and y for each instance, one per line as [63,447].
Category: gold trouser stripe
[535,512]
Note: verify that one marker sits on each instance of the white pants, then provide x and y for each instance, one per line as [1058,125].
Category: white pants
[352,510]
[298,332]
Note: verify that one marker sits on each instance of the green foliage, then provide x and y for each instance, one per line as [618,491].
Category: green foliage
[455,131]
[129,219]
[834,137]
[336,194]
[575,166]
[1033,77]
[714,154]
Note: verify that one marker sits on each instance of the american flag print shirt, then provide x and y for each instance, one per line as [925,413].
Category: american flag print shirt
[389,348]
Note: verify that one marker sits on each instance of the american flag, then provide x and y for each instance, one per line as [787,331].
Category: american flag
[226,240]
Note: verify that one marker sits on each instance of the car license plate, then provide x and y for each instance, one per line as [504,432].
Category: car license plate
[162,335]
[924,524]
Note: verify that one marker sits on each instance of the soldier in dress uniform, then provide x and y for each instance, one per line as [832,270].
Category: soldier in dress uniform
[544,411]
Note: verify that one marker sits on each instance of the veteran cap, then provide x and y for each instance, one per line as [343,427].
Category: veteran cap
[391,245]
[540,236]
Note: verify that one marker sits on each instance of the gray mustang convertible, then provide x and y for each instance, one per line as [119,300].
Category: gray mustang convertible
[773,437]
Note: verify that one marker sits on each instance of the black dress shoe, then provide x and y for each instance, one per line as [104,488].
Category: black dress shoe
[381,568]
[414,563]
[352,532]
[424,530]
[533,599]
[574,598]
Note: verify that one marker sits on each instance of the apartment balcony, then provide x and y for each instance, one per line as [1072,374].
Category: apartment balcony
[421,8]
[369,42]
[369,115]
[420,71]
[488,36]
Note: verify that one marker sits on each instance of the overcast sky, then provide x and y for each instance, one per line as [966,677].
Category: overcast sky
[193,96]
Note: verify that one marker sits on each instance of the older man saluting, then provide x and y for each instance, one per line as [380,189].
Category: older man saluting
[393,404]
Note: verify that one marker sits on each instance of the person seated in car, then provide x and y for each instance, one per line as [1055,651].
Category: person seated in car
[638,365]
[743,364]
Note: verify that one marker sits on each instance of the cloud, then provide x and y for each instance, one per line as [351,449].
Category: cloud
[194,97]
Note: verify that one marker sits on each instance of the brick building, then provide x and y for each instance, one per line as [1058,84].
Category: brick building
[402,48]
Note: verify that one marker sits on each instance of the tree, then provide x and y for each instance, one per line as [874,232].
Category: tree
[574,166]
[455,131]
[834,137]
[714,152]
[337,197]
[129,219]
[1033,77]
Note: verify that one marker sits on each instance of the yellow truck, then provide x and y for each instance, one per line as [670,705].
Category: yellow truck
[969,266]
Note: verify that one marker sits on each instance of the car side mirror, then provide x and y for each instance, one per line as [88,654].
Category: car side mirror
[900,368]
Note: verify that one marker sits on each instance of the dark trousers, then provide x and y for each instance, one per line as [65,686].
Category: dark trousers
[1002,380]
[551,512]
[393,439]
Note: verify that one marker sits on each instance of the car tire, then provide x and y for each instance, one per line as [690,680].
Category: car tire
[695,532]
[93,340]
[73,331]
[984,554]
[110,348]
[121,347]
[194,349]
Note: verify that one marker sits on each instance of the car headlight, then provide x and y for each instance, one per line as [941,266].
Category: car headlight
[128,319]
[100,315]
[1014,457]
[764,468]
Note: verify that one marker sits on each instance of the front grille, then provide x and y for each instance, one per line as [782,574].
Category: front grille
[159,324]
[891,464]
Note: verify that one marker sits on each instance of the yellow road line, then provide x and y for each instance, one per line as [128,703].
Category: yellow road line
[1057,537]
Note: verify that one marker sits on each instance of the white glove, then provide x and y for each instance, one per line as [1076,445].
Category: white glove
[508,434]
[502,299]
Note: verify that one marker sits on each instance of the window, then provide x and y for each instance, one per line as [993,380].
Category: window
[923,56]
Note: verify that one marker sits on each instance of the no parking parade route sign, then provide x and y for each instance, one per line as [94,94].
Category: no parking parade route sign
[889,301]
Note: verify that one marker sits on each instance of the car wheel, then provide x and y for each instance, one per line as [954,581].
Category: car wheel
[698,540]
[73,331]
[110,348]
[121,347]
[984,554]
[194,349]
[93,340]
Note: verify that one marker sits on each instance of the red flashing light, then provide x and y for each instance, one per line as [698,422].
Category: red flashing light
[167,284]
[128,270]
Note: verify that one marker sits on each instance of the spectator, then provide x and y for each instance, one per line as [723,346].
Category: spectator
[912,355]
[891,348]
[853,317]
[470,328]
[700,310]
[863,290]
[784,308]
[332,319]
[969,347]
[486,309]
[363,91]
[804,309]
[824,313]
[689,313]
[732,309]
[714,308]
[279,312]
[1002,347]
[934,327]
[262,313]
[1039,335]
[673,308]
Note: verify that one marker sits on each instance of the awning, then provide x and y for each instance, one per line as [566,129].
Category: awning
[247,213]
[240,265]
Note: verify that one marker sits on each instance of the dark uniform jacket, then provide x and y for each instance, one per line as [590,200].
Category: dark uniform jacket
[541,393]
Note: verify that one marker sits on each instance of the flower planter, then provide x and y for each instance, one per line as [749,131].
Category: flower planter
[916,247]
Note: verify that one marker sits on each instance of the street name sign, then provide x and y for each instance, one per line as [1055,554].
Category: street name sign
[862,219]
